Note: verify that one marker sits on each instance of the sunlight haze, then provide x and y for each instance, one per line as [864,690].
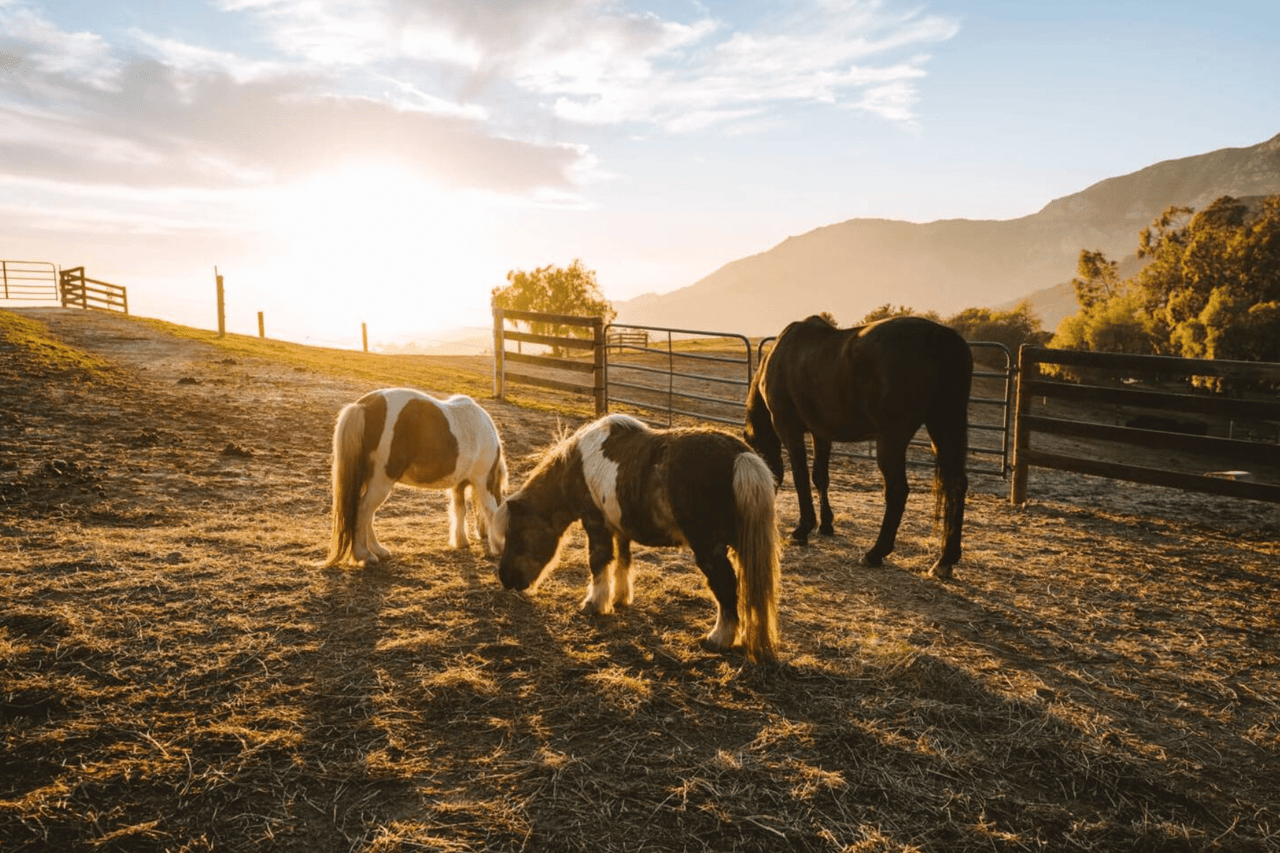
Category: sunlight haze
[388,162]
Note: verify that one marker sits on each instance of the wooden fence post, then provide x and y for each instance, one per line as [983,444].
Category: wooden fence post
[1028,371]
[364,336]
[499,347]
[598,354]
[222,305]
[262,329]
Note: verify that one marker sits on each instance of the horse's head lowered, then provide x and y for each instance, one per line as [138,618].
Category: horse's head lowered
[528,540]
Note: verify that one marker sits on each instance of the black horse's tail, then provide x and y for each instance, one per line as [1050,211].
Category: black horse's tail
[759,430]
[949,430]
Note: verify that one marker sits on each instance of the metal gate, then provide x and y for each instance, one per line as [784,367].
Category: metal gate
[677,373]
[28,280]
[704,376]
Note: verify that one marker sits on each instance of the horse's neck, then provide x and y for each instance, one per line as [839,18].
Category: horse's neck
[551,486]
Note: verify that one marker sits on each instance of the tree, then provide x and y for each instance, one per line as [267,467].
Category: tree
[1099,279]
[1210,289]
[555,290]
[1011,328]
[888,310]
[1212,277]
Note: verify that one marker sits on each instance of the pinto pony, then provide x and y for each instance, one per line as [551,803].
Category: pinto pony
[398,435]
[625,482]
[882,381]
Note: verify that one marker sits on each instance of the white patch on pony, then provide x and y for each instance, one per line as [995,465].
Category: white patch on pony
[599,600]
[498,529]
[600,472]
[725,632]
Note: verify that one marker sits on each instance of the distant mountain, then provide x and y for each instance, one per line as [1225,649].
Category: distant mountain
[854,266]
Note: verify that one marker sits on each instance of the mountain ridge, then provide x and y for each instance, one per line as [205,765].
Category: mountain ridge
[850,267]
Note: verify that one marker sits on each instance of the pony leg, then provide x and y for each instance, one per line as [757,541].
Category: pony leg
[822,479]
[599,598]
[366,548]
[799,456]
[458,516]
[486,505]
[723,582]
[623,590]
[891,456]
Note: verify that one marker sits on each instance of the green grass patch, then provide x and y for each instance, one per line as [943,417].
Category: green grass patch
[33,337]
[444,374]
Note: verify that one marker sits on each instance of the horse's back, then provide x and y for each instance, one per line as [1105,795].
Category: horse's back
[850,384]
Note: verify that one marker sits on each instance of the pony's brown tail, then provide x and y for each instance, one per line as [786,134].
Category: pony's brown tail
[350,472]
[757,549]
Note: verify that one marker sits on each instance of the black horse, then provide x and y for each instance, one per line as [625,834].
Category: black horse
[882,381]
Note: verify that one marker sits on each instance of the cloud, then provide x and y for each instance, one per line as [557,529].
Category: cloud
[604,63]
[486,96]
[86,114]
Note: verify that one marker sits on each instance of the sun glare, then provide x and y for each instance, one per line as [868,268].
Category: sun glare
[371,241]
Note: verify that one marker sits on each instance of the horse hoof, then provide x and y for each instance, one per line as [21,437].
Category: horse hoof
[799,540]
[827,530]
[940,571]
[871,561]
[713,646]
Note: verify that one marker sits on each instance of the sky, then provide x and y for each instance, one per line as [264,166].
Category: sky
[387,162]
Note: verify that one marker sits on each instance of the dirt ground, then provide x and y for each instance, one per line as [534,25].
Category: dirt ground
[177,674]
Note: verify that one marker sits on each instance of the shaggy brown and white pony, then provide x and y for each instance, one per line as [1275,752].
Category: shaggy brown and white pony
[398,435]
[626,483]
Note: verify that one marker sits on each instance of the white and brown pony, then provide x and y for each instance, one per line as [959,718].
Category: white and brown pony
[398,435]
[625,482]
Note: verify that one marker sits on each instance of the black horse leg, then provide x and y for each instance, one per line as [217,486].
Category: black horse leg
[891,456]
[822,479]
[713,560]
[799,456]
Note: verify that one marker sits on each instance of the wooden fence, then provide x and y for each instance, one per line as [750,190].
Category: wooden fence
[566,373]
[78,291]
[1108,430]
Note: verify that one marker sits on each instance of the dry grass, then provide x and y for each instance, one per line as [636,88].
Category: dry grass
[176,675]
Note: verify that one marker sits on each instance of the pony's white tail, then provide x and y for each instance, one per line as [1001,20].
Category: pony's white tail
[350,473]
[758,563]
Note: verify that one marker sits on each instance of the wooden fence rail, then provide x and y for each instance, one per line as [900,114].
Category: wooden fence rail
[1249,426]
[78,291]
[570,369]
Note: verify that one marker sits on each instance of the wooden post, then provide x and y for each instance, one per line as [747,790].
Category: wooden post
[597,374]
[498,350]
[262,330]
[364,336]
[1028,370]
[222,305]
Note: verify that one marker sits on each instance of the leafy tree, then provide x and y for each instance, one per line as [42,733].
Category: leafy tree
[555,290]
[1099,279]
[1011,328]
[888,310]
[1210,289]
[1213,280]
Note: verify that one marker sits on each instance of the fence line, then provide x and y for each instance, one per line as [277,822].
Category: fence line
[1143,432]
[573,368]
[705,386]
[28,280]
[78,290]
